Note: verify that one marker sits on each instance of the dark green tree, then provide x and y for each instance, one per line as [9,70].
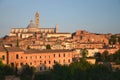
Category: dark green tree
[17,43]
[112,39]
[48,46]
[84,53]
[105,55]
[5,70]
[27,72]
[117,57]
[97,57]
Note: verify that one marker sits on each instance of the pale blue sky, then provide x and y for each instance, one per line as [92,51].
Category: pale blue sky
[98,16]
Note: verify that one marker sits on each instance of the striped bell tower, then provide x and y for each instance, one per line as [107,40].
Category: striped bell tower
[37,20]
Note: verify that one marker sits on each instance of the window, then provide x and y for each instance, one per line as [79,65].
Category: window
[17,56]
[49,62]
[68,60]
[40,56]
[30,63]
[12,64]
[40,62]
[44,62]
[3,57]
[54,55]
[59,55]
[64,55]
[40,68]
[26,57]
[54,61]
[21,64]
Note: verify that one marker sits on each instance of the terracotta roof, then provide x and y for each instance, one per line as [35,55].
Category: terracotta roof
[14,49]
[45,51]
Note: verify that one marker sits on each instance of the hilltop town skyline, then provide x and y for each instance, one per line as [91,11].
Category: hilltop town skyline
[93,16]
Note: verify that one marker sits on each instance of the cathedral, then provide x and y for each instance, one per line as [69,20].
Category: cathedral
[32,29]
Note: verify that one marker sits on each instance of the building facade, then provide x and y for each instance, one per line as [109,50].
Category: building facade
[41,60]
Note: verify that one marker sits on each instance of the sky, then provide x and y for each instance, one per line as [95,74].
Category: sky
[96,16]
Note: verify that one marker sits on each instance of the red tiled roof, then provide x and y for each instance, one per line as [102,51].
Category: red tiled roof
[46,51]
[14,49]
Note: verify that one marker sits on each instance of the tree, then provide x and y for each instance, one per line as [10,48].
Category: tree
[97,56]
[117,57]
[5,70]
[105,55]
[48,46]
[6,36]
[17,43]
[112,39]
[27,72]
[84,53]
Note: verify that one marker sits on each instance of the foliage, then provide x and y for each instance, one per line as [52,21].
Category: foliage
[84,53]
[112,39]
[79,70]
[5,70]
[27,72]
[98,57]
[48,46]
[17,43]
[116,57]
[105,55]
[6,36]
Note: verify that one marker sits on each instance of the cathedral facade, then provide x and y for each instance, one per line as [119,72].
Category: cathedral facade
[32,29]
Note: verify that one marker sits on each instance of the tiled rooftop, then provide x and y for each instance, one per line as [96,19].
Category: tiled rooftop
[46,51]
[13,49]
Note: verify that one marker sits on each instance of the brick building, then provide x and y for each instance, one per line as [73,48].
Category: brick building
[41,60]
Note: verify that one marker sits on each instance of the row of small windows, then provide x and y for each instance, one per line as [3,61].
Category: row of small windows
[64,55]
[48,62]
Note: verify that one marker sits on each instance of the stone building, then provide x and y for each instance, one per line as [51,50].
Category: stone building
[32,29]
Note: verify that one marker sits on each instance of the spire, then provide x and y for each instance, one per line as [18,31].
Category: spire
[37,20]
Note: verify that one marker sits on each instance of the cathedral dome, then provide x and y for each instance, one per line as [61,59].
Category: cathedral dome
[31,25]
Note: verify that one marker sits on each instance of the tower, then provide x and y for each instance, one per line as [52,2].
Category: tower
[37,20]
[56,28]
